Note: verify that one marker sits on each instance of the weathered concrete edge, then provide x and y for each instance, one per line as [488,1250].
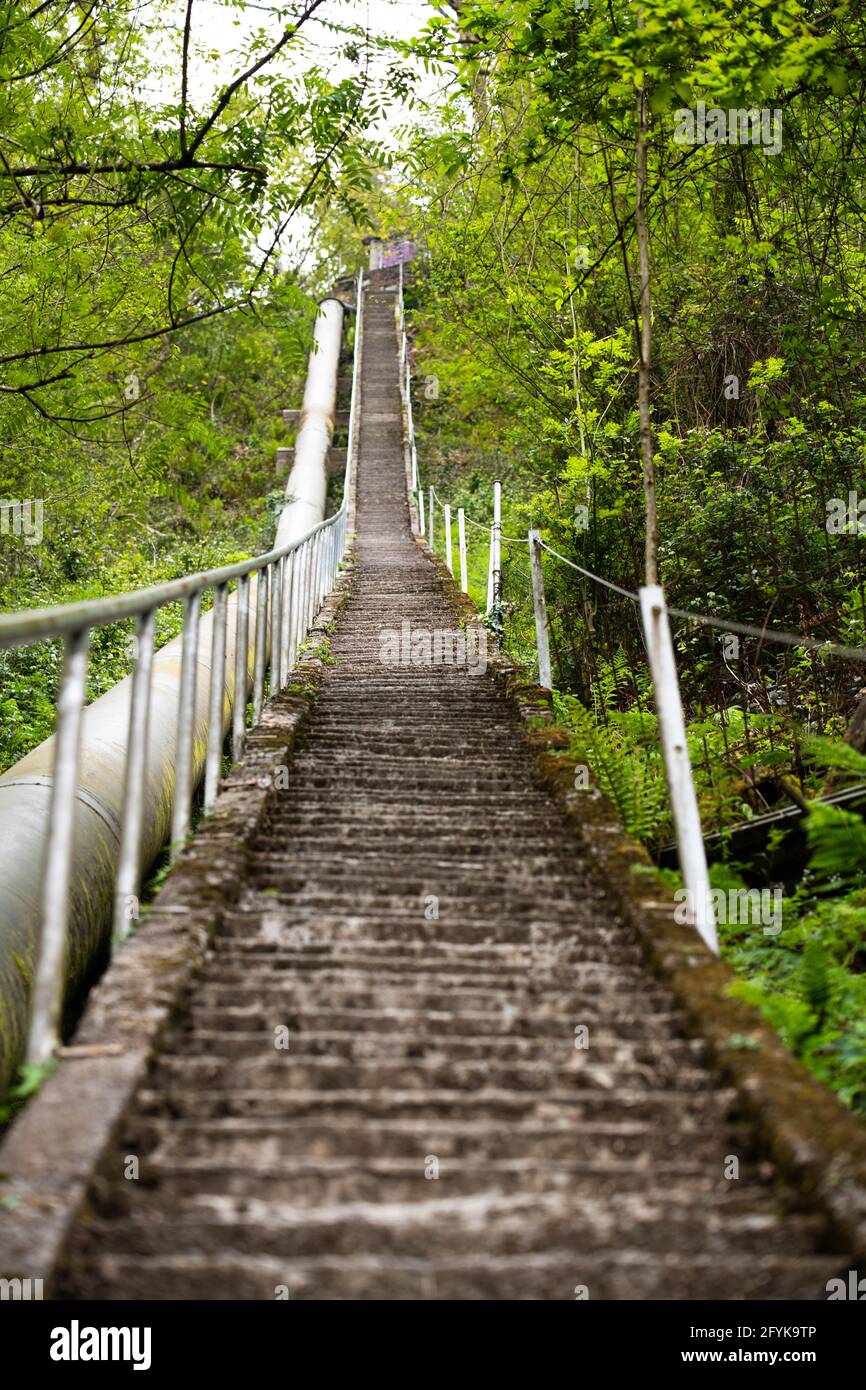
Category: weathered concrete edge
[804,1129]
[54,1148]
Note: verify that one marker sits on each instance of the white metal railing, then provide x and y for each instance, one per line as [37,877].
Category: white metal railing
[289,584]
[655,622]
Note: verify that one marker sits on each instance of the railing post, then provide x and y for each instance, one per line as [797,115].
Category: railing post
[43,1035]
[311,583]
[317,594]
[311,606]
[285,613]
[213,759]
[300,630]
[490,570]
[539,604]
[292,560]
[461,541]
[449,555]
[497,543]
[410,421]
[129,861]
[239,707]
[277,569]
[421,524]
[681,787]
[261,643]
[430,526]
[182,800]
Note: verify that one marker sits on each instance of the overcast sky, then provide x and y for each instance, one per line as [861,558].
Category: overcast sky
[220,29]
[221,32]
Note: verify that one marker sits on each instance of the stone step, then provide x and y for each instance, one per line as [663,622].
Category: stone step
[512,1224]
[555,1274]
[336,1073]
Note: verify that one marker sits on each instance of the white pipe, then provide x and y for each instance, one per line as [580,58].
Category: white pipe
[307,484]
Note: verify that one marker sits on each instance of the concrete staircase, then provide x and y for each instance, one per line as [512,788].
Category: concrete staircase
[418,918]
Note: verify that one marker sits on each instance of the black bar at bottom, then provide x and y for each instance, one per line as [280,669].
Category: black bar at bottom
[260,1340]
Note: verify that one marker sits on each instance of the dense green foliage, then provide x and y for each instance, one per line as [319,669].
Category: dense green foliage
[526,310]
[155,312]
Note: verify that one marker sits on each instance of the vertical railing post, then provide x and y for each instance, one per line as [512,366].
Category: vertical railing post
[410,422]
[185,751]
[239,707]
[449,554]
[497,543]
[490,569]
[430,526]
[421,525]
[44,1031]
[261,643]
[461,542]
[126,885]
[321,547]
[293,560]
[314,578]
[678,768]
[285,611]
[314,582]
[213,759]
[539,605]
[276,603]
[308,588]
[302,596]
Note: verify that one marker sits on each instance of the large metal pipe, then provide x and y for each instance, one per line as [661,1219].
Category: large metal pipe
[25,789]
[307,485]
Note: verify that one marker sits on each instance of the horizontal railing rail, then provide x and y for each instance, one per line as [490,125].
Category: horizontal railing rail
[29,626]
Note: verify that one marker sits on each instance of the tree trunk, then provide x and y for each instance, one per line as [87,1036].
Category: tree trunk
[480,104]
[645,346]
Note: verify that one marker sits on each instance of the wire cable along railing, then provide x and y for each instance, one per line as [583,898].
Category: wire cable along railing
[656,640]
[276,598]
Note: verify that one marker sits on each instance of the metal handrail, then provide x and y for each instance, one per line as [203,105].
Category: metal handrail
[27,626]
[291,582]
